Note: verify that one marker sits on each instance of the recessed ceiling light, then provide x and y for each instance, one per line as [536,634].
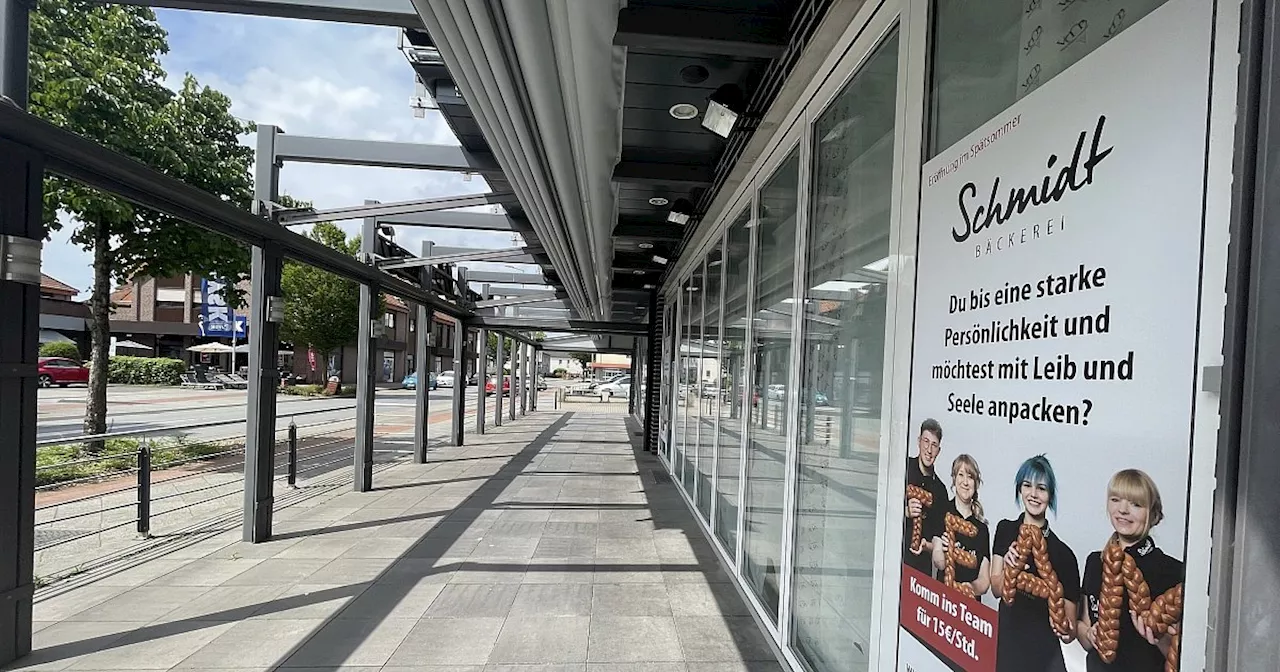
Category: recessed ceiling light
[637,272]
[660,260]
[649,286]
[684,111]
[646,246]
[658,201]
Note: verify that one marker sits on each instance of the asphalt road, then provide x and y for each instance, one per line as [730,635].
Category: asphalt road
[61,410]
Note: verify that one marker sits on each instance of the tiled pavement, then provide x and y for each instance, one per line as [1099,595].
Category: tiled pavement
[547,545]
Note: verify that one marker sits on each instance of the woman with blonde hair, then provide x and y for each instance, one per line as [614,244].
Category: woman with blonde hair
[1133,509]
[966,478]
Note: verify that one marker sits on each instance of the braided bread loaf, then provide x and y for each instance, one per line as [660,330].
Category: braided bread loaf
[1121,575]
[1044,584]
[956,555]
[917,523]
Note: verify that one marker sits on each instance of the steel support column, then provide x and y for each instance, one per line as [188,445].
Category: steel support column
[21,181]
[482,368]
[511,392]
[501,359]
[267,265]
[21,172]
[422,392]
[459,381]
[523,379]
[460,368]
[366,366]
[536,365]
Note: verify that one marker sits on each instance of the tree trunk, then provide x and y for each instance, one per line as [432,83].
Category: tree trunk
[95,410]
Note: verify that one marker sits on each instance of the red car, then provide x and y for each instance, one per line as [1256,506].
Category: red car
[490,385]
[62,372]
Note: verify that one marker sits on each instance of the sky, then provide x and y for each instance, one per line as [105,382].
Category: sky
[318,79]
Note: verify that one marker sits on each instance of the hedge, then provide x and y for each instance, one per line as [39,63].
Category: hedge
[60,349]
[125,370]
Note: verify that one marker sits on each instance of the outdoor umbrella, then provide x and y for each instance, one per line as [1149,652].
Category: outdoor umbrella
[211,348]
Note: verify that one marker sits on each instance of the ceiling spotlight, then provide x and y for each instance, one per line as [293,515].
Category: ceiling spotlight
[724,106]
[694,74]
[658,201]
[649,286]
[646,246]
[680,213]
[637,272]
[683,111]
[660,260]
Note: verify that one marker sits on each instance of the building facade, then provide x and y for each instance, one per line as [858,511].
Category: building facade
[983,249]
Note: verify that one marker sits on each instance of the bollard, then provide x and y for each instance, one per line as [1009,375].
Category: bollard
[293,454]
[144,489]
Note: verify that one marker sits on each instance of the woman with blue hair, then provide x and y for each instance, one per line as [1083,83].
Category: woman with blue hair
[1027,640]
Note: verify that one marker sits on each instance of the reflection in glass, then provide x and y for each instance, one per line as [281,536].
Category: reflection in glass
[771,315]
[709,390]
[733,380]
[842,369]
[665,384]
[681,382]
[694,292]
[987,55]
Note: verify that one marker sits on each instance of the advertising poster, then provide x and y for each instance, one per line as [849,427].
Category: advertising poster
[1054,364]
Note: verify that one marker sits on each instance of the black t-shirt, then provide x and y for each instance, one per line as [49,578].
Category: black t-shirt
[1026,642]
[932,515]
[1133,654]
[980,544]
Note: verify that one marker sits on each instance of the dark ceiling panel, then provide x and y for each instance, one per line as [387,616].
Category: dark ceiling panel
[665,69]
[707,144]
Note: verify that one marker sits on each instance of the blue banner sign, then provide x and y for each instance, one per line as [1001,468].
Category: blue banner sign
[217,319]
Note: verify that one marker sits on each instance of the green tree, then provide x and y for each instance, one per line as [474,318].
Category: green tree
[321,310]
[95,70]
[60,349]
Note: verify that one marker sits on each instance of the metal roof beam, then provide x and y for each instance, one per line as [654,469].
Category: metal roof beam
[512,255]
[516,301]
[89,163]
[313,216]
[671,174]
[531,324]
[630,227]
[473,221]
[524,291]
[474,255]
[495,277]
[343,151]
[398,13]
[689,31]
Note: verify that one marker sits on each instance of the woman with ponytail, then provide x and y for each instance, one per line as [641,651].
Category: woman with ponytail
[966,478]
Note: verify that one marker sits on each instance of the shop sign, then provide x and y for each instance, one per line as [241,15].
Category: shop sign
[1055,349]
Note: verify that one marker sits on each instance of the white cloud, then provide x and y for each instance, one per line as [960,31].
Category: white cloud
[311,78]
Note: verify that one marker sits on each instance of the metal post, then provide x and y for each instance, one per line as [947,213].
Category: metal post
[422,394]
[459,366]
[293,454]
[267,266]
[522,380]
[366,364]
[21,172]
[501,360]
[511,393]
[536,369]
[21,181]
[144,489]
[482,368]
[530,377]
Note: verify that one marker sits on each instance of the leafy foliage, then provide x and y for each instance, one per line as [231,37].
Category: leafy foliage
[125,370]
[60,349]
[322,310]
[95,70]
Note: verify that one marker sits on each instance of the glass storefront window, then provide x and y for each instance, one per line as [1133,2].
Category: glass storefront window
[681,383]
[772,317]
[734,389]
[694,291]
[987,55]
[709,390]
[842,368]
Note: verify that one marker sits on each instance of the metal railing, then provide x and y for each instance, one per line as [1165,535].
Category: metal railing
[142,464]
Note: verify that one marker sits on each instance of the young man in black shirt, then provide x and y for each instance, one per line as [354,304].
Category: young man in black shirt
[921,473]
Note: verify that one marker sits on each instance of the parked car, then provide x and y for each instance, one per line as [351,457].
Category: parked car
[410,381]
[618,387]
[491,385]
[62,372]
[444,379]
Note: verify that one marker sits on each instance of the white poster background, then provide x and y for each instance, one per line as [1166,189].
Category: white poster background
[1140,219]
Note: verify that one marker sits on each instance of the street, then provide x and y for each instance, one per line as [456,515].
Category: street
[138,408]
